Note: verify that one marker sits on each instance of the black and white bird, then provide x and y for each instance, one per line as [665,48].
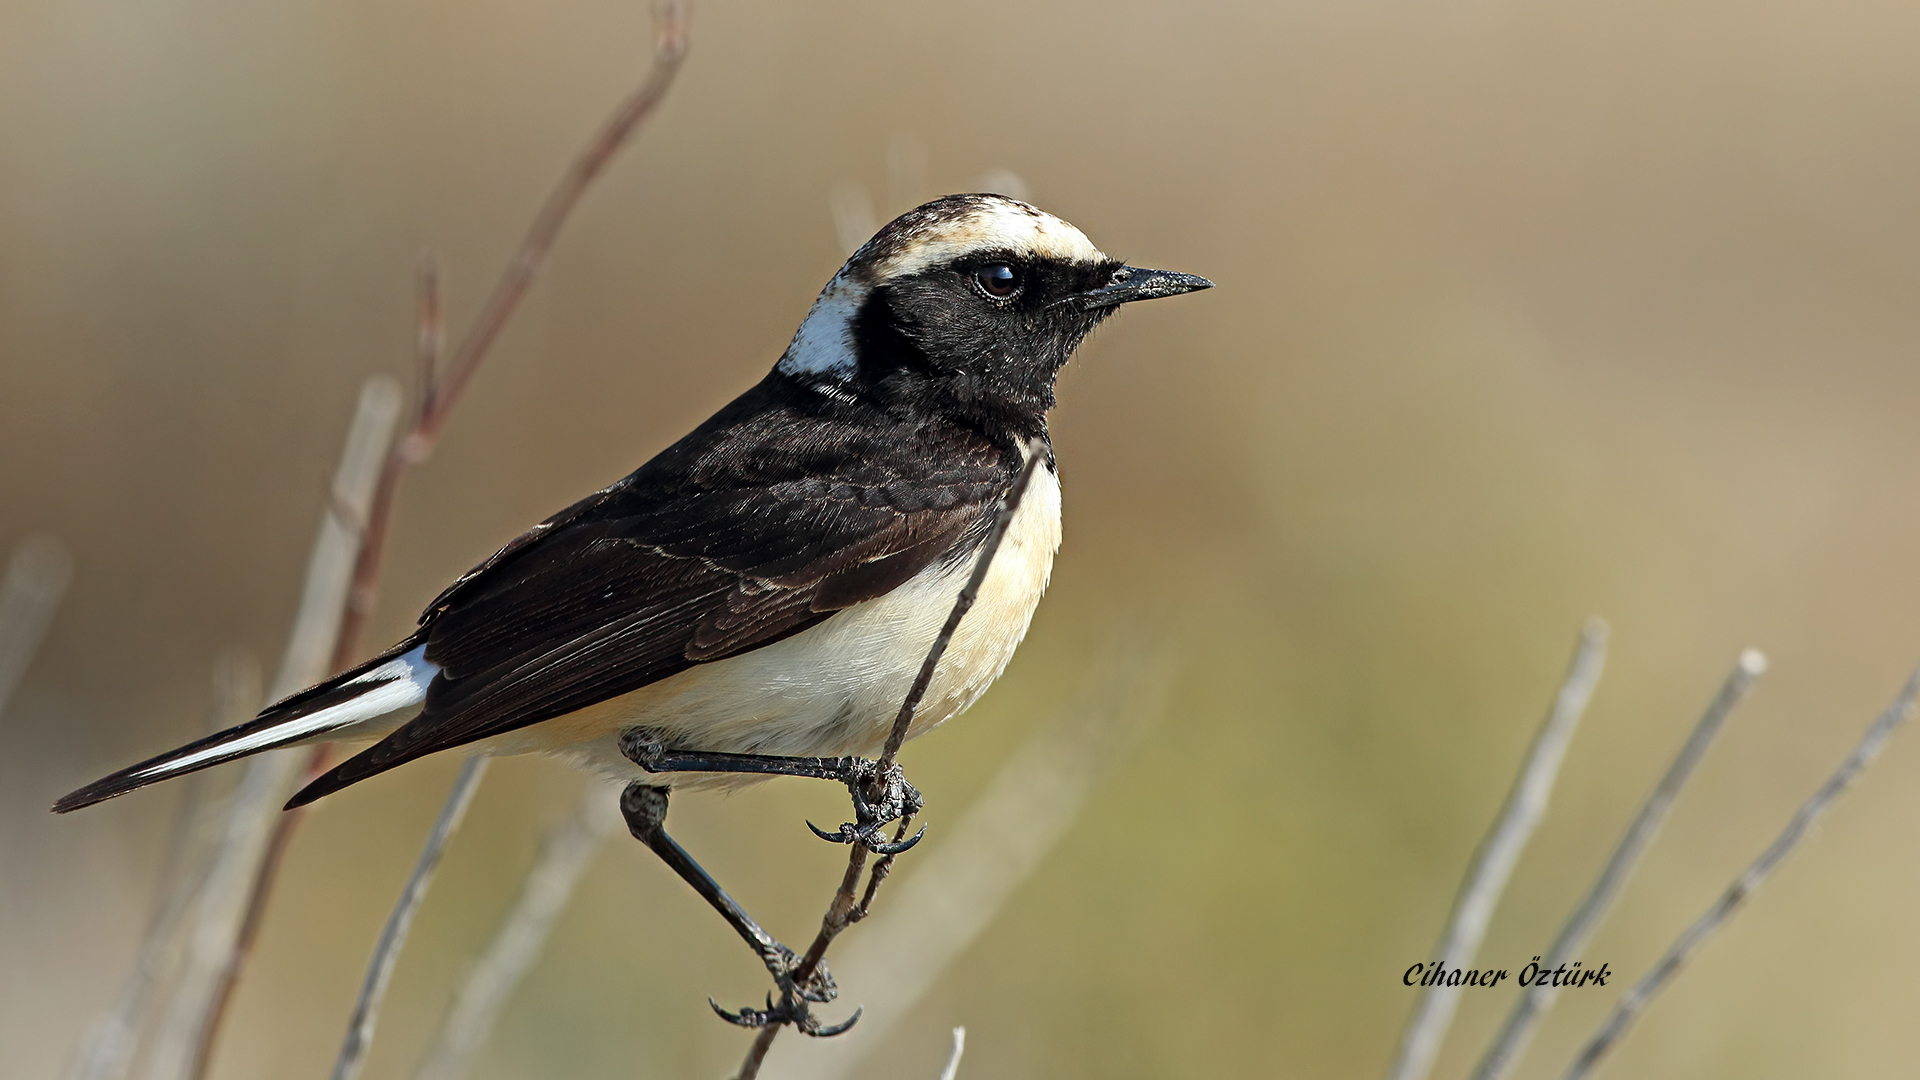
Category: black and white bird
[770,584]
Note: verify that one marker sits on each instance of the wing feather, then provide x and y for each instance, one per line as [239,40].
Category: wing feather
[729,541]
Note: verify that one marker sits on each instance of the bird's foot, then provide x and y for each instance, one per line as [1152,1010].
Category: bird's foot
[795,995]
[782,963]
[644,748]
[880,797]
[878,800]
[788,1011]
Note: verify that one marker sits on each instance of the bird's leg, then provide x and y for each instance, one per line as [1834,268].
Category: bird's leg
[645,808]
[877,799]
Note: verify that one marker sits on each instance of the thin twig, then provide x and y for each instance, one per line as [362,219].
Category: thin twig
[445,387]
[1518,1030]
[37,576]
[842,909]
[568,849]
[262,800]
[1499,851]
[956,890]
[1036,450]
[113,1044]
[441,390]
[953,1060]
[1635,1000]
[185,1033]
[393,936]
[429,327]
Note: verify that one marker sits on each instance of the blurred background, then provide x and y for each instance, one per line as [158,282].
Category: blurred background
[1525,313]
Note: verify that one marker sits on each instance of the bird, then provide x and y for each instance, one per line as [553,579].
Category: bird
[759,596]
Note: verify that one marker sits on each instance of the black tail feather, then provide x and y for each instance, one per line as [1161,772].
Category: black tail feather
[138,776]
[324,695]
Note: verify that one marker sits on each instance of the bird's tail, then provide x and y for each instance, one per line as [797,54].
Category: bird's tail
[367,701]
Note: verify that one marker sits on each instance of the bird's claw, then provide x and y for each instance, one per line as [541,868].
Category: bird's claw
[788,1011]
[749,1017]
[809,1026]
[793,1007]
[845,834]
[897,799]
[850,833]
[891,847]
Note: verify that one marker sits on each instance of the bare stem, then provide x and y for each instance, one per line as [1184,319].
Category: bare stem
[845,907]
[564,856]
[393,936]
[440,391]
[1538,998]
[430,328]
[228,895]
[1499,852]
[1002,521]
[442,386]
[669,50]
[113,1044]
[300,768]
[953,1059]
[37,576]
[1635,1000]
[957,889]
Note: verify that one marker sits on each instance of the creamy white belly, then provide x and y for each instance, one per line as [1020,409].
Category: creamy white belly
[834,688]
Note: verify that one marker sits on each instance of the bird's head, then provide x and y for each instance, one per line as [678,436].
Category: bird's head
[970,303]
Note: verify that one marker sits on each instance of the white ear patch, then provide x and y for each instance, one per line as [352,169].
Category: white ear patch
[823,346]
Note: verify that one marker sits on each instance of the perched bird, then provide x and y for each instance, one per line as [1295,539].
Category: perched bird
[762,593]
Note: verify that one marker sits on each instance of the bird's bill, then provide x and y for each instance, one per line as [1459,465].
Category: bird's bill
[1130,283]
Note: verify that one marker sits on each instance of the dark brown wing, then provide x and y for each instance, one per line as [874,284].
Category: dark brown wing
[767,519]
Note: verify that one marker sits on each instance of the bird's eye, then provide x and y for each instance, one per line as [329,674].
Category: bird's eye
[997,280]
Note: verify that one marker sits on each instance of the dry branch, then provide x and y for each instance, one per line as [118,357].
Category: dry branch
[848,905]
[440,390]
[1493,863]
[564,856]
[38,573]
[958,888]
[993,847]
[1635,1000]
[112,1045]
[953,1060]
[1511,1042]
[184,1032]
[393,936]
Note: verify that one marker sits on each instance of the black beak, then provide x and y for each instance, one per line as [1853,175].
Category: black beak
[1130,283]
